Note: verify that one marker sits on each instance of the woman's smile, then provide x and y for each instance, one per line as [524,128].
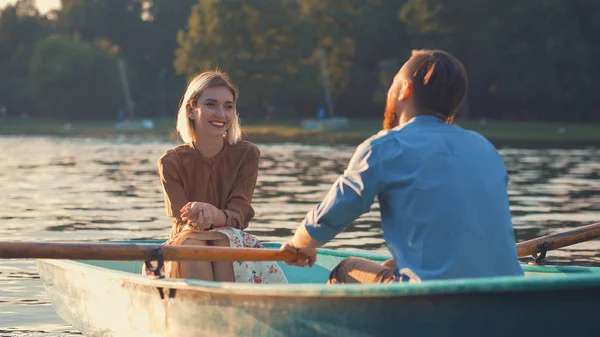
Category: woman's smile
[217,124]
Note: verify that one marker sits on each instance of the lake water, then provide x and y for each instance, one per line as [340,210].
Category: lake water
[56,189]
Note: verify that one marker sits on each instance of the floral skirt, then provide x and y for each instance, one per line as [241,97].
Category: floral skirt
[267,272]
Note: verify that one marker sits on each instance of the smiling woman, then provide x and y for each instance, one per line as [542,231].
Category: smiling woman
[208,184]
[209,101]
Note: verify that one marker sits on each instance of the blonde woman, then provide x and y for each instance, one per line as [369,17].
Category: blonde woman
[208,183]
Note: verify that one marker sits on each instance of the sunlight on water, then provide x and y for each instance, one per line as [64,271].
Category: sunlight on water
[57,189]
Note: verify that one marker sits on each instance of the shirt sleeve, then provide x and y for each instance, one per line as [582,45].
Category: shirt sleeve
[350,196]
[175,195]
[239,211]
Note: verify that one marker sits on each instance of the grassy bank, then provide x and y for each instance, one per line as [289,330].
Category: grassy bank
[501,133]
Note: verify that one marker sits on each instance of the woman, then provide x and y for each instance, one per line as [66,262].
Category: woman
[208,184]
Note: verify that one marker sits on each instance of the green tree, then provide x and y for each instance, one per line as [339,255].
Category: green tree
[526,60]
[364,42]
[21,26]
[117,20]
[163,87]
[146,33]
[260,44]
[74,80]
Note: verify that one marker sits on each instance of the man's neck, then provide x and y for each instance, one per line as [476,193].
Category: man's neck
[406,115]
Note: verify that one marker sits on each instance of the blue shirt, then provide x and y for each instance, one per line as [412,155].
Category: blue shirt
[443,197]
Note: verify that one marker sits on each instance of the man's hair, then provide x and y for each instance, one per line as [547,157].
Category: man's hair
[439,81]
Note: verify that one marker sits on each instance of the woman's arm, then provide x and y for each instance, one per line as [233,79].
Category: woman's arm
[174,193]
[239,211]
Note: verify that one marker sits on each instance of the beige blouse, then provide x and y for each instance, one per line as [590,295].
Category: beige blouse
[226,181]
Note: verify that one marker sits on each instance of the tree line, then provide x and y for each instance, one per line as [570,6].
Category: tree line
[526,60]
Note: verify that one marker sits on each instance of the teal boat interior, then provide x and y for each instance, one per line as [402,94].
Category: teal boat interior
[318,274]
[536,277]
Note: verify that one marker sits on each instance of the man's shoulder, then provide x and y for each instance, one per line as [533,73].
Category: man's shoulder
[406,135]
[375,146]
[476,139]
[378,139]
[384,139]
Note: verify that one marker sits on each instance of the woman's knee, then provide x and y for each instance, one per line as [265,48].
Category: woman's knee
[220,243]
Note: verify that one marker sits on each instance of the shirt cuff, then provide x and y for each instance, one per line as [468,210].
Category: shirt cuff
[320,233]
[232,219]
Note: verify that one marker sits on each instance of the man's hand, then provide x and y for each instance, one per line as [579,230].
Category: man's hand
[304,256]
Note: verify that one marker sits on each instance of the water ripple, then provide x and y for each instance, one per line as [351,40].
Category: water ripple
[85,189]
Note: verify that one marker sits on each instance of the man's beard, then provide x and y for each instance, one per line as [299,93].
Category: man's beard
[390,119]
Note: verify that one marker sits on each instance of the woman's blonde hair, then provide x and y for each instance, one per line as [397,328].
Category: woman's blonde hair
[208,79]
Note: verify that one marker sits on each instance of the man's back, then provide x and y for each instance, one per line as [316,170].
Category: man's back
[444,202]
[442,190]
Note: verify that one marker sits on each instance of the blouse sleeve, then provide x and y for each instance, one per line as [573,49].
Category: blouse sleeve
[175,195]
[239,212]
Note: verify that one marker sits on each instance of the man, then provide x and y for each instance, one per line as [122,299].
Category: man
[442,190]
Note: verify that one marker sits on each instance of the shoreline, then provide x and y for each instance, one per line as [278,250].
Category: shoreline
[321,139]
[501,134]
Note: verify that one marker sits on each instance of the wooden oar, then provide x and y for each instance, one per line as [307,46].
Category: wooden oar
[139,252]
[144,252]
[554,241]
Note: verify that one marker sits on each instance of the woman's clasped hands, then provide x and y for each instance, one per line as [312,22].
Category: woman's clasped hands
[202,215]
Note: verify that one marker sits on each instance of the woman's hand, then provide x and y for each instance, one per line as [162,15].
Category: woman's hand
[304,256]
[202,215]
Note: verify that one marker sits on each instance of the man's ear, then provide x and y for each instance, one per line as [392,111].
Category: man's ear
[405,91]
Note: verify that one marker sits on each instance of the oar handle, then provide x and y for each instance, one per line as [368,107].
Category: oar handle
[143,252]
[139,252]
[558,240]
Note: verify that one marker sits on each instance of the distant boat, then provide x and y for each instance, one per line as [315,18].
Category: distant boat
[102,298]
[135,125]
[329,124]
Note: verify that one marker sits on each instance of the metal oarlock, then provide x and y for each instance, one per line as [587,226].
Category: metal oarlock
[539,259]
[156,255]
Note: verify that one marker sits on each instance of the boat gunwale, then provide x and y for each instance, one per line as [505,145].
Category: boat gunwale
[581,277]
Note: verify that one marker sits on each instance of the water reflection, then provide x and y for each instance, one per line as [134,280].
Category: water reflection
[57,189]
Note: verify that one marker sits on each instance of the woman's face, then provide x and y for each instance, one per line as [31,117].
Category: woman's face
[214,112]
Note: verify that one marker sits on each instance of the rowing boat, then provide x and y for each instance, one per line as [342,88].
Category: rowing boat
[112,298]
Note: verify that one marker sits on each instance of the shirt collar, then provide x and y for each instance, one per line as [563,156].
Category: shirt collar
[420,119]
